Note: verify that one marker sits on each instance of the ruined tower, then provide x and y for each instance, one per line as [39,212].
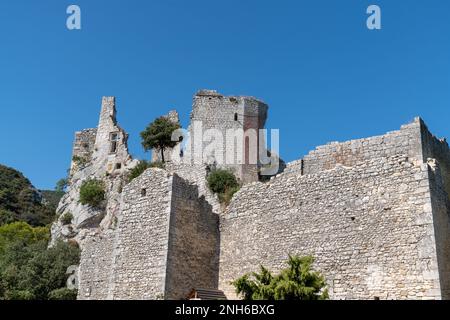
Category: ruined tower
[238,121]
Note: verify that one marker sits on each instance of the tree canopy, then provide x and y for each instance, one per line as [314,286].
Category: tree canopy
[158,135]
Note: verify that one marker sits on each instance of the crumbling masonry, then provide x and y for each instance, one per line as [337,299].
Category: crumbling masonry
[373,212]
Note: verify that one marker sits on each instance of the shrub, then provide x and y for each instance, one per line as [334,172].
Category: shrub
[92,192]
[223,183]
[297,282]
[63,294]
[219,181]
[67,218]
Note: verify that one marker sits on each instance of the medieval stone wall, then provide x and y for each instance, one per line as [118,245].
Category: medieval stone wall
[83,146]
[193,256]
[441,216]
[165,243]
[142,237]
[369,227]
[438,151]
[96,266]
[374,213]
[404,141]
[212,110]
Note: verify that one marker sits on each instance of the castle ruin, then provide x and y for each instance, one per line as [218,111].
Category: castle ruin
[373,212]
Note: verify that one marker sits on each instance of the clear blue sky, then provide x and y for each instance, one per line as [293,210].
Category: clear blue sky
[325,76]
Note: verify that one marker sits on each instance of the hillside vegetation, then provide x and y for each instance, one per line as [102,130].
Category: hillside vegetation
[20,201]
[29,270]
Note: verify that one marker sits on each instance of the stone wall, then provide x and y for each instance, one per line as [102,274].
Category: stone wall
[406,141]
[441,214]
[165,243]
[96,266]
[212,110]
[142,237]
[193,255]
[83,146]
[370,228]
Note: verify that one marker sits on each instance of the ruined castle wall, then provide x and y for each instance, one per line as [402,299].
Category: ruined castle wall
[142,237]
[441,218]
[196,174]
[193,256]
[96,266]
[406,141]
[83,146]
[438,151]
[370,228]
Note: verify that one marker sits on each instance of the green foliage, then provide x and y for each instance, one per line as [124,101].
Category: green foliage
[20,201]
[61,185]
[297,282]
[223,183]
[80,161]
[221,180]
[28,269]
[92,192]
[21,232]
[19,295]
[158,134]
[141,167]
[63,294]
[67,218]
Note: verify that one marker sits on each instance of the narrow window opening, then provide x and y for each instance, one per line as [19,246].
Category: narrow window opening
[118,166]
[235,117]
[113,138]
[143,192]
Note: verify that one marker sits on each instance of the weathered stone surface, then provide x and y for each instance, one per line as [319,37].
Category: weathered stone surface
[102,154]
[374,212]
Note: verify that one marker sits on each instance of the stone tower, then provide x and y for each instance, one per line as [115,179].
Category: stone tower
[235,121]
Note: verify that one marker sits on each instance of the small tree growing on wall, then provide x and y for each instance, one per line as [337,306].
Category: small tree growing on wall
[297,282]
[158,135]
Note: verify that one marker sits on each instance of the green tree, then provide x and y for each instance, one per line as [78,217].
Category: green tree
[297,282]
[92,192]
[61,185]
[21,232]
[20,201]
[28,268]
[158,134]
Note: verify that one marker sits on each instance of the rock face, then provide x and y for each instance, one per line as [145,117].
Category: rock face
[100,153]
[373,212]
